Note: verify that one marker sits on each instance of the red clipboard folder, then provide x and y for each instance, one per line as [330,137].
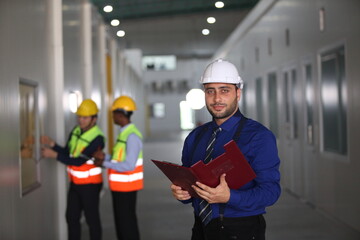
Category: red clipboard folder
[232,162]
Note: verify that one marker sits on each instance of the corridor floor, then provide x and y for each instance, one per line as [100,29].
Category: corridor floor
[161,217]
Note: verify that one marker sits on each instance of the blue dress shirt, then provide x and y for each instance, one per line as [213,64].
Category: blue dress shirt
[258,144]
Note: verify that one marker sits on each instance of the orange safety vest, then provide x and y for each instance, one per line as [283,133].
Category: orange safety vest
[130,180]
[87,173]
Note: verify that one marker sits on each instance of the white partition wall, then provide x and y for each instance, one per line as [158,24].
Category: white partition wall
[30,50]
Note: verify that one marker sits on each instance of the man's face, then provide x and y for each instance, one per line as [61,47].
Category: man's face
[221,100]
[85,123]
[119,118]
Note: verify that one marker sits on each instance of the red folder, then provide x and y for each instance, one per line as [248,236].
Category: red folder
[232,162]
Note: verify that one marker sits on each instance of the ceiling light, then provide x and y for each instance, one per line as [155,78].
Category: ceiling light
[108,8]
[75,98]
[211,20]
[219,4]
[120,33]
[115,22]
[205,31]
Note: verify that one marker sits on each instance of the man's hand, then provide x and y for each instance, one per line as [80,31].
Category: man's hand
[98,162]
[219,194]
[48,153]
[47,141]
[178,193]
[99,157]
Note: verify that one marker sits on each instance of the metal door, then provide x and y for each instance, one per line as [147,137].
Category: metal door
[293,164]
[310,126]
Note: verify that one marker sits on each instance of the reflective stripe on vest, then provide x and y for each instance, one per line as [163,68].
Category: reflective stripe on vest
[117,177]
[84,174]
[129,180]
[90,162]
[87,173]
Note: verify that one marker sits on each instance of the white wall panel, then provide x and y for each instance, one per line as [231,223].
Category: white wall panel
[73,61]
[24,54]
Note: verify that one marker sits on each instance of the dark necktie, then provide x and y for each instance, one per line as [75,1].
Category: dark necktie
[205,208]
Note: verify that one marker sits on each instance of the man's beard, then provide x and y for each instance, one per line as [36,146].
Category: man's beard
[221,115]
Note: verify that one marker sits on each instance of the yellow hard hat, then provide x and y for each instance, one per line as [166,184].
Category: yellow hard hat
[87,108]
[124,103]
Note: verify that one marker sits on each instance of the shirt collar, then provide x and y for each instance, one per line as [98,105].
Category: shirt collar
[230,123]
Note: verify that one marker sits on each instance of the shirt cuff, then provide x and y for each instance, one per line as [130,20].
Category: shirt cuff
[106,164]
[107,158]
[56,148]
[234,197]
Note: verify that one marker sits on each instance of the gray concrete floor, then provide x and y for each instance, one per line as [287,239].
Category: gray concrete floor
[161,217]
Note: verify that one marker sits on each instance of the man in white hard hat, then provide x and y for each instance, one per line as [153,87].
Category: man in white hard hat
[221,212]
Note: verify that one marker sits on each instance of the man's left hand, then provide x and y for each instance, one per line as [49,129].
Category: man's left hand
[219,194]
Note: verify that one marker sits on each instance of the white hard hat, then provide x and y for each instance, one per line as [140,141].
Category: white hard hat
[221,71]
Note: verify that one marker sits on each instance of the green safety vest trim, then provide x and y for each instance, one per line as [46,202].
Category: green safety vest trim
[119,150]
[78,142]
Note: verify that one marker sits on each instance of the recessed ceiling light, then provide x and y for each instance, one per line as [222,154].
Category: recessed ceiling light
[211,20]
[219,4]
[120,33]
[205,31]
[115,22]
[108,8]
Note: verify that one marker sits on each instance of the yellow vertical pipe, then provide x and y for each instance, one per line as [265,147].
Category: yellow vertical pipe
[110,100]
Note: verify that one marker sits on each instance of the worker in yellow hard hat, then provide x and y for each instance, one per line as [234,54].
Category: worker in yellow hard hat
[85,178]
[125,169]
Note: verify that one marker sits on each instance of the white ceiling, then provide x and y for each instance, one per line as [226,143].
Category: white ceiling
[179,34]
